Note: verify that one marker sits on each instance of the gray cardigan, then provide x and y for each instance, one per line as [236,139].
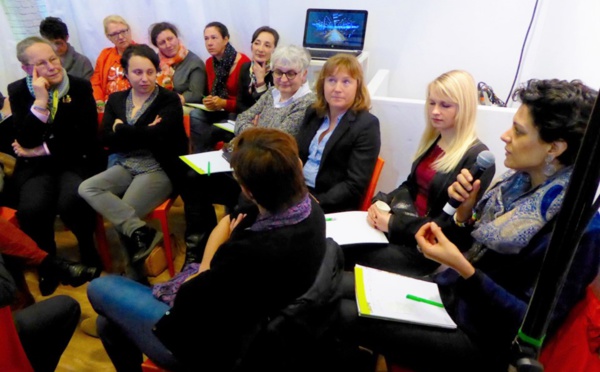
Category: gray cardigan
[288,118]
[189,78]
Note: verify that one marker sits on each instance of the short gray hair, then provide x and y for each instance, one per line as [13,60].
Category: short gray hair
[291,56]
[26,43]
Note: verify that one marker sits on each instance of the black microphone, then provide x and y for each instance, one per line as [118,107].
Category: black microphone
[485,159]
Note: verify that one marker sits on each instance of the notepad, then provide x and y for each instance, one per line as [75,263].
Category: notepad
[198,106]
[352,228]
[229,126]
[200,162]
[384,295]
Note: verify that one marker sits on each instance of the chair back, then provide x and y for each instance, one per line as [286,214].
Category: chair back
[299,337]
[13,356]
[366,201]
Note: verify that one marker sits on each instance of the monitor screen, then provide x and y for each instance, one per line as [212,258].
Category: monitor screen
[335,29]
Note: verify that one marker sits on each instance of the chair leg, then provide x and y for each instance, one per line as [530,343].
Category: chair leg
[164,223]
[102,241]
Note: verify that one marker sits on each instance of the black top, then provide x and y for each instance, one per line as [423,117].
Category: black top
[348,159]
[248,96]
[252,276]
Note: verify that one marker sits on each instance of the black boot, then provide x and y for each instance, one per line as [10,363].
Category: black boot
[194,248]
[54,270]
[142,242]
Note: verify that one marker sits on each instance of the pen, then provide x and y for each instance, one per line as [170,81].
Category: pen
[330,219]
[208,170]
[424,300]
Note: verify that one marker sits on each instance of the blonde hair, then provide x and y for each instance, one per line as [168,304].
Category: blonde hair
[459,86]
[348,63]
[113,18]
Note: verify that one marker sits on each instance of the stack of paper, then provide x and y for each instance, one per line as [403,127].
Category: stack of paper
[207,162]
[385,295]
[352,228]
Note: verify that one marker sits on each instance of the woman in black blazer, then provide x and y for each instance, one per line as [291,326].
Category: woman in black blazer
[339,139]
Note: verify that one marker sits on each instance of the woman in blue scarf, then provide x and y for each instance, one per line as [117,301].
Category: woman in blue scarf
[486,290]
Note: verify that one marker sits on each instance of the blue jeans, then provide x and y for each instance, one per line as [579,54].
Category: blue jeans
[127,311]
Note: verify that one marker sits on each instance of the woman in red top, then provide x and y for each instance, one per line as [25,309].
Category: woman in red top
[223,74]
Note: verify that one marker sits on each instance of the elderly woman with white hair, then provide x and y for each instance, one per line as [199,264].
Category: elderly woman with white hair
[284,105]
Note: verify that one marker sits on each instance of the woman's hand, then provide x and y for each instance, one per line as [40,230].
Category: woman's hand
[255,120]
[22,152]
[213,103]
[259,72]
[157,120]
[236,221]
[378,219]
[117,122]
[465,191]
[436,246]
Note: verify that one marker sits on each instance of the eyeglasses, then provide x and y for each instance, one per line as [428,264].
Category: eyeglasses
[115,35]
[290,75]
[54,61]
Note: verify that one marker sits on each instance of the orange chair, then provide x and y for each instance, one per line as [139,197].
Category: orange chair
[13,356]
[149,366]
[10,215]
[366,202]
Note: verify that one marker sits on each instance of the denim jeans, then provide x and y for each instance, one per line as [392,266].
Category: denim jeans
[127,312]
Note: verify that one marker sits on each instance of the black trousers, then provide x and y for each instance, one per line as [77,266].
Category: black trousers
[45,329]
[48,193]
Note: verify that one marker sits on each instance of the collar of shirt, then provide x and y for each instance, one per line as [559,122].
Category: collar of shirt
[302,91]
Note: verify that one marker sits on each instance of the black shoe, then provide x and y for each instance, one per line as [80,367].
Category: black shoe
[54,270]
[194,248]
[142,242]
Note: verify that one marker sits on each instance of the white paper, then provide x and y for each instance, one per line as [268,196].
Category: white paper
[352,228]
[385,296]
[199,162]
[226,126]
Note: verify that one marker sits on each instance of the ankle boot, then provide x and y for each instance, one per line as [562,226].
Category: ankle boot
[54,270]
[142,242]
[194,248]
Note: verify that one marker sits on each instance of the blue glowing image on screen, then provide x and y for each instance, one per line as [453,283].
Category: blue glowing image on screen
[336,28]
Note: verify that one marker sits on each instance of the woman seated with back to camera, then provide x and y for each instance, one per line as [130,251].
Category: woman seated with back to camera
[487,290]
[339,139]
[284,105]
[448,144]
[260,258]
[256,76]
[181,70]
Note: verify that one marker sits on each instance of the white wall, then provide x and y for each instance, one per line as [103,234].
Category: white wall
[415,40]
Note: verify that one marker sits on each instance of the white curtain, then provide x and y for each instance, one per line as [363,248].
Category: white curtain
[84,19]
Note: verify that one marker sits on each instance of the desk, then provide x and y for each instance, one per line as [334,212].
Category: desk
[315,68]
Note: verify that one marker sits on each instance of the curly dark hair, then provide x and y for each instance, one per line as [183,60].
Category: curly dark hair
[53,28]
[560,110]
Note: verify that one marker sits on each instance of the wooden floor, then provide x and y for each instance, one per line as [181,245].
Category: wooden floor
[85,353]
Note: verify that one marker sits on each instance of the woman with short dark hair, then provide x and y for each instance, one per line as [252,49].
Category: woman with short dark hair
[143,131]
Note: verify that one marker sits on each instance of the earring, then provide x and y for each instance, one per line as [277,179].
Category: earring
[549,167]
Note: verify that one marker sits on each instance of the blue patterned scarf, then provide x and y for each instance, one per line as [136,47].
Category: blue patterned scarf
[512,213]
[290,216]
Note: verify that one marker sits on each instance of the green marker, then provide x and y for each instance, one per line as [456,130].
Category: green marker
[330,219]
[424,300]
[208,170]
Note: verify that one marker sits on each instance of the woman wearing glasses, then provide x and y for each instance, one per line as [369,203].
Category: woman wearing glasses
[284,105]
[339,139]
[281,107]
[109,76]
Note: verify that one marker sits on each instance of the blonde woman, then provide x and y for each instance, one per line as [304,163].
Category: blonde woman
[109,76]
[448,144]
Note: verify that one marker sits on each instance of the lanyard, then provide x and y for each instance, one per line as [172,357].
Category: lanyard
[54,106]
